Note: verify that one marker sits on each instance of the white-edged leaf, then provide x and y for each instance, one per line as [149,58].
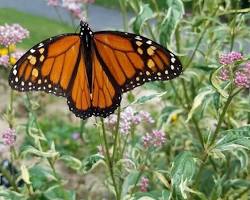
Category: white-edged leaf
[173,16]
[234,139]
[144,14]
[182,173]
[36,152]
[72,162]
[198,100]
[25,174]
[215,83]
[129,182]
[162,179]
[143,99]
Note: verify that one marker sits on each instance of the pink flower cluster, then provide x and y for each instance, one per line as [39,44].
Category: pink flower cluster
[12,34]
[241,76]
[144,183]
[229,58]
[224,74]
[75,136]
[17,54]
[129,117]
[155,139]
[53,2]
[4,60]
[74,6]
[9,137]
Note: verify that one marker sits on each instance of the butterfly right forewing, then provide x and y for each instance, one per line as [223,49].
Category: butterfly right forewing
[133,60]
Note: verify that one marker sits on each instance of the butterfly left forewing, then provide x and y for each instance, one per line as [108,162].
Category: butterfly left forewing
[47,66]
[133,60]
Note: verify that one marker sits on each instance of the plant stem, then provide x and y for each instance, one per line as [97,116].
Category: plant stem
[109,161]
[116,134]
[82,124]
[150,31]
[199,40]
[232,34]
[188,107]
[221,117]
[196,124]
[124,14]
[238,11]
[140,173]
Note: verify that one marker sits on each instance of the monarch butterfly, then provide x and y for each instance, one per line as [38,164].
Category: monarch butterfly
[93,69]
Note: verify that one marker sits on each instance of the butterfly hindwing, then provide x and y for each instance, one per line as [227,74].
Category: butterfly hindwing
[105,94]
[79,99]
[133,60]
[47,66]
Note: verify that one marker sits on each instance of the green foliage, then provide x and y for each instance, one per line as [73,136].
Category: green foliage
[202,121]
[35,25]
[169,23]
[182,173]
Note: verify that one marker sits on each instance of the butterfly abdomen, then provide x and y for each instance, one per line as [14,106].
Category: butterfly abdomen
[86,36]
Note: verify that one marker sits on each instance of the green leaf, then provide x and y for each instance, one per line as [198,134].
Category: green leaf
[92,161]
[198,100]
[129,182]
[182,172]
[166,195]
[145,14]
[39,177]
[11,195]
[56,192]
[152,195]
[161,177]
[34,151]
[25,174]
[173,16]
[237,183]
[233,139]
[144,99]
[168,113]
[72,162]
[215,83]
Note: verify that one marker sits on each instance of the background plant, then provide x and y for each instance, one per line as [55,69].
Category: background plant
[193,145]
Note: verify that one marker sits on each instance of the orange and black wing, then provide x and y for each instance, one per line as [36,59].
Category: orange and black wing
[56,66]
[106,96]
[48,66]
[132,60]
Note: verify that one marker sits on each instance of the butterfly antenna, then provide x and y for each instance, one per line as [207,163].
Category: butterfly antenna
[77,28]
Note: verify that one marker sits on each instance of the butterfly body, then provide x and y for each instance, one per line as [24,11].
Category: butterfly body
[86,39]
[93,69]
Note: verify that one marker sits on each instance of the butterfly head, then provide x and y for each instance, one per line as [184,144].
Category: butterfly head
[84,27]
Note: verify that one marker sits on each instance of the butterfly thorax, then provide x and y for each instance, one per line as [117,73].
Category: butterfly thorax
[86,38]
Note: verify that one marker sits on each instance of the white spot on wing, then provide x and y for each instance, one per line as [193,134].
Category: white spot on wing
[15,72]
[32,50]
[149,42]
[138,37]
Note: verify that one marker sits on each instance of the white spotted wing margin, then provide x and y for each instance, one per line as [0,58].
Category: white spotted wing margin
[26,73]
